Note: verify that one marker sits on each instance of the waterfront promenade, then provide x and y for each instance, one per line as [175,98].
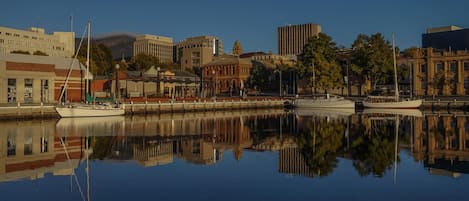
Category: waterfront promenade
[158,106]
[149,106]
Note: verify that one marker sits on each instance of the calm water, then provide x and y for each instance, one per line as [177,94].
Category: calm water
[250,155]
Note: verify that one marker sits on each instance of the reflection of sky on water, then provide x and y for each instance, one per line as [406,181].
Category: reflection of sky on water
[255,176]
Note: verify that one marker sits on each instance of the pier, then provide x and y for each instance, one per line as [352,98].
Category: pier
[31,111]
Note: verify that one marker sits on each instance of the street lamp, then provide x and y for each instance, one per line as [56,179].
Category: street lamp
[117,83]
[158,81]
[280,82]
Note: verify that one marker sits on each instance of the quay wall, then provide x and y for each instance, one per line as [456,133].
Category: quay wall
[23,111]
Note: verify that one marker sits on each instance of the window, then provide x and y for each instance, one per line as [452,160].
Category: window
[466,66]
[8,34]
[466,83]
[11,144]
[438,67]
[11,91]
[453,66]
[16,35]
[28,90]
[44,91]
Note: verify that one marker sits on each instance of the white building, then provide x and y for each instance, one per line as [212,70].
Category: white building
[158,46]
[61,44]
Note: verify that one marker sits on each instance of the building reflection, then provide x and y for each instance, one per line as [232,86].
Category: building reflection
[31,149]
[307,145]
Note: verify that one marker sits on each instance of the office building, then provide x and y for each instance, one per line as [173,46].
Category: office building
[447,38]
[198,51]
[157,46]
[292,38]
[36,41]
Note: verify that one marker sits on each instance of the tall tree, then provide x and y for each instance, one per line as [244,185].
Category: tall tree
[372,58]
[320,54]
[144,61]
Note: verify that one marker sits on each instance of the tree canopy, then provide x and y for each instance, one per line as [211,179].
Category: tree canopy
[372,58]
[320,54]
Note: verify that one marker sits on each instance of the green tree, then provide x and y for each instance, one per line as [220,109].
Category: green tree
[372,59]
[100,59]
[144,61]
[40,53]
[320,54]
[259,76]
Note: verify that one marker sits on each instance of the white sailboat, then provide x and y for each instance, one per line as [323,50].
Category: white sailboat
[392,102]
[324,101]
[87,110]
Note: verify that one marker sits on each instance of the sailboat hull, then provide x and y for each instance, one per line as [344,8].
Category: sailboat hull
[88,111]
[404,104]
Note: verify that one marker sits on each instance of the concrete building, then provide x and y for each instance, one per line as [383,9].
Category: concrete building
[158,46]
[36,79]
[198,51]
[447,38]
[436,73]
[61,44]
[225,74]
[292,38]
[270,60]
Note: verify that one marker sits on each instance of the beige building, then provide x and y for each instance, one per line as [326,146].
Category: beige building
[437,73]
[36,79]
[292,38]
[61,44]
[158,46]
[198,51]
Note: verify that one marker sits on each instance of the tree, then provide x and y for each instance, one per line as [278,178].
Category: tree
[40,53]
[321,53]
[100,59]
[259,76]
[372,59]
[144,61]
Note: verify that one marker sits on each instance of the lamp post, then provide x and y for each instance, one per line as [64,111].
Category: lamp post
[158,81]
[280,82]
[117,83]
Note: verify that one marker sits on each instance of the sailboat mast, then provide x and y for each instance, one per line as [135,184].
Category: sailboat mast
[396,88]
[88,61]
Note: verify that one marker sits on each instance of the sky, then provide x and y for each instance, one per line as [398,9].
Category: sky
[253,22]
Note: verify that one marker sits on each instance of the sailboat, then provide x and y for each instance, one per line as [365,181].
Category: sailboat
[392,102]
[324,101]
[86,110]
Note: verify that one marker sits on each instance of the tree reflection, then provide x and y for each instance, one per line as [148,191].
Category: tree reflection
[373,153]
[319,143]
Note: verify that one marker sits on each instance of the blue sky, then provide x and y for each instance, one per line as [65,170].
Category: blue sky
[252,22]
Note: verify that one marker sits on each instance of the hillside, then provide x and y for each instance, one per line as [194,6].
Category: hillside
[118,43]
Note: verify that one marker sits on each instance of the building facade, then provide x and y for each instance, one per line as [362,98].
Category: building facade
[440,73]
[60,44]
[237,49]
[449,38]
[198,51]
[157,46]
[225,75]
[39,79]
[292,38]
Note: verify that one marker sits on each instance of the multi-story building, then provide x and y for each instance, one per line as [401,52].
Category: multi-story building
[225,74]
[158,46]
[292,38]
[36,79]
[35,41]
[446,38]
[440,72]
[198,51]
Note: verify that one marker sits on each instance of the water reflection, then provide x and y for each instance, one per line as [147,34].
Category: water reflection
[309,143]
